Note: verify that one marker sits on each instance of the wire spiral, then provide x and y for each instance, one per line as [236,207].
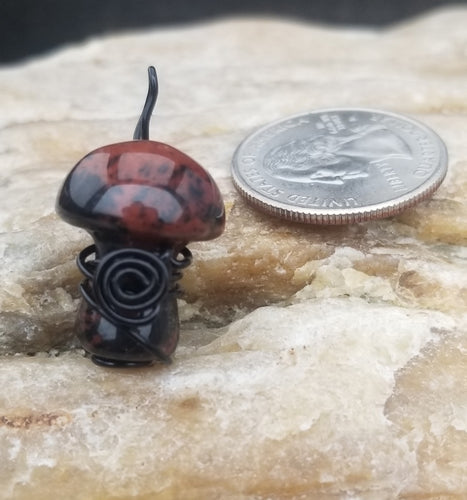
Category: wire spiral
[127,284]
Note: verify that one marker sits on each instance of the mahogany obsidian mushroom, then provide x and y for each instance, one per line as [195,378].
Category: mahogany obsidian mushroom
[142,202]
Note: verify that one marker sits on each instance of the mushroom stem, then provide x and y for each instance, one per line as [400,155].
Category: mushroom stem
[142,127]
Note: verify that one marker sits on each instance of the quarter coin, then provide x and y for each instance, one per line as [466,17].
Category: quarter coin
[339,166]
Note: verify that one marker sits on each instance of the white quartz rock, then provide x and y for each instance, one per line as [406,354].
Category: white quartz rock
[325,363]
[300,400]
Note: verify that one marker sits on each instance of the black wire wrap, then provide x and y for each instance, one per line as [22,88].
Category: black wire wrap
[126,286]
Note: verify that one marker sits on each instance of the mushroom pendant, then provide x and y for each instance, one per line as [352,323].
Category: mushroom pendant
[142,202]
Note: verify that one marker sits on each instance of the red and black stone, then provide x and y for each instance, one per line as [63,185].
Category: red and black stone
[142,193]
[149,197]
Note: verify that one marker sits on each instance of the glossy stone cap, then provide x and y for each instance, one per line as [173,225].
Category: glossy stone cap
[145,189]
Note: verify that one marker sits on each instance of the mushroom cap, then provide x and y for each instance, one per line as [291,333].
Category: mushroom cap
[144,191]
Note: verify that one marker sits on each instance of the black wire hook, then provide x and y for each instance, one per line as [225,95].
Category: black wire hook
[142,127]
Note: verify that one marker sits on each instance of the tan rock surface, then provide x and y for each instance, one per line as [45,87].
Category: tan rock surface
[321,363]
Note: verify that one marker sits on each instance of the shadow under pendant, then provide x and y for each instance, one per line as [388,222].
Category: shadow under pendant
[142,202]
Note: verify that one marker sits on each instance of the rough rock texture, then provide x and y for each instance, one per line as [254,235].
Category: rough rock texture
[315,362]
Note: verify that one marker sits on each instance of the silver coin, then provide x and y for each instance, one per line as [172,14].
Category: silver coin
[339,166]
